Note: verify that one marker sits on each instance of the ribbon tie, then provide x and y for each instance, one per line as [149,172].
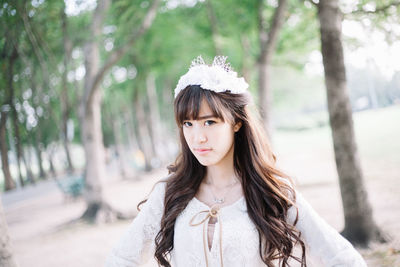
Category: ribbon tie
[213,212]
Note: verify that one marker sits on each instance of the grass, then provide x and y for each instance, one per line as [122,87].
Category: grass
[377,137]
[378,133]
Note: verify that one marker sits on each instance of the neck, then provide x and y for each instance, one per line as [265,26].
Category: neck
[222,174]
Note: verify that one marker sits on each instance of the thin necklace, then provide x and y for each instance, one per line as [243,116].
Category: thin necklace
[221,200]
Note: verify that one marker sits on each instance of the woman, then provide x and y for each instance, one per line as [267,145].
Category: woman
[224,202]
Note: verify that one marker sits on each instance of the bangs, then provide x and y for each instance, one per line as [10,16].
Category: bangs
[188,103]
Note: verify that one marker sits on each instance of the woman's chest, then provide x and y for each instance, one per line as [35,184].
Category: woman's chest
[234,235]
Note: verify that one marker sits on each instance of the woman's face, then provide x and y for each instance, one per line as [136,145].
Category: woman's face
[209,138]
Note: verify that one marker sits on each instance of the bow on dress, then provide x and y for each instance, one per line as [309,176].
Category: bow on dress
[213,212]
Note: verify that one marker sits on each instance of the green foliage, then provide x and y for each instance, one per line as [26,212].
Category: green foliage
[299,35]
[177,35]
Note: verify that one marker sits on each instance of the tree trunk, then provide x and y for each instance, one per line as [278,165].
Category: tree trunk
[29,174]
[123,148]
[94,152]
[166,116]
[18,147]
[90,119]
[130,130]
[155,120]
[50,155]
[38,150]
[6,255]
[90,105]
[214,27]
[168,97]
[360,227]
[64,101]
[15,142]
[8,181]
[142,133]
[117,130]
[12,147]
[5,109]
[246,71]
[267,45]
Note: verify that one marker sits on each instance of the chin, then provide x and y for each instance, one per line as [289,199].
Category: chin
[204,163]
[207,162]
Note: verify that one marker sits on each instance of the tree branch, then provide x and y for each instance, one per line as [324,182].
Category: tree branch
[35,45]
[268,44]
[92,54]
[214,27]
[118,53]
[377,10]
[312,2]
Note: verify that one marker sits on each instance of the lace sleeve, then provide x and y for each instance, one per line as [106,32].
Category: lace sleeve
[323,242]
[137,244]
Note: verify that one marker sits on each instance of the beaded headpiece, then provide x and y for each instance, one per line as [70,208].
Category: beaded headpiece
[218,77]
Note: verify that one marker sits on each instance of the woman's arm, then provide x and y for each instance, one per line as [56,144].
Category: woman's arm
[137,244]
[323,242]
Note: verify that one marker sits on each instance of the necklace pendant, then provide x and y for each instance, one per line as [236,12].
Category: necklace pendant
[219,200]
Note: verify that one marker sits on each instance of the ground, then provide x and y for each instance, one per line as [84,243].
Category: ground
[39,216]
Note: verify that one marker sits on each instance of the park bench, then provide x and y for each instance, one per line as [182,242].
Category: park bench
[72,186]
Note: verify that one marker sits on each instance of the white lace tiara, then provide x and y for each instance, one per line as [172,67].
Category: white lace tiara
[218,77]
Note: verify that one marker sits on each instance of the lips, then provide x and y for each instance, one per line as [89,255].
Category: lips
[202,151]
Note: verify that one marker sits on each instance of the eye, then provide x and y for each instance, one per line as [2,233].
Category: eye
[209,122]
[187,124]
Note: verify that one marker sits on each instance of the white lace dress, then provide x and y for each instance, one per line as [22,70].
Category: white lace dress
[234,230]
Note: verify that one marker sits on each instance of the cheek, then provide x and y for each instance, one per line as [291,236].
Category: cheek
[186,136]
[225,139]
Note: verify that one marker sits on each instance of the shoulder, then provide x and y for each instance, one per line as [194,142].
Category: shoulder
[288,188]
[157,193]
[159,186]
[158,190]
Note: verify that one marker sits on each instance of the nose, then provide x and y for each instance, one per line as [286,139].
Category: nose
[199,135]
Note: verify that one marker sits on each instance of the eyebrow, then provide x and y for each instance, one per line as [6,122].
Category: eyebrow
[206,117]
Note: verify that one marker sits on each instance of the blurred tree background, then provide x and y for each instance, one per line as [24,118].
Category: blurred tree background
[43,71]
[88,85]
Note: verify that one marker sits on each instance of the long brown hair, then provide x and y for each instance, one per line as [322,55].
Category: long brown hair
[267,190]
